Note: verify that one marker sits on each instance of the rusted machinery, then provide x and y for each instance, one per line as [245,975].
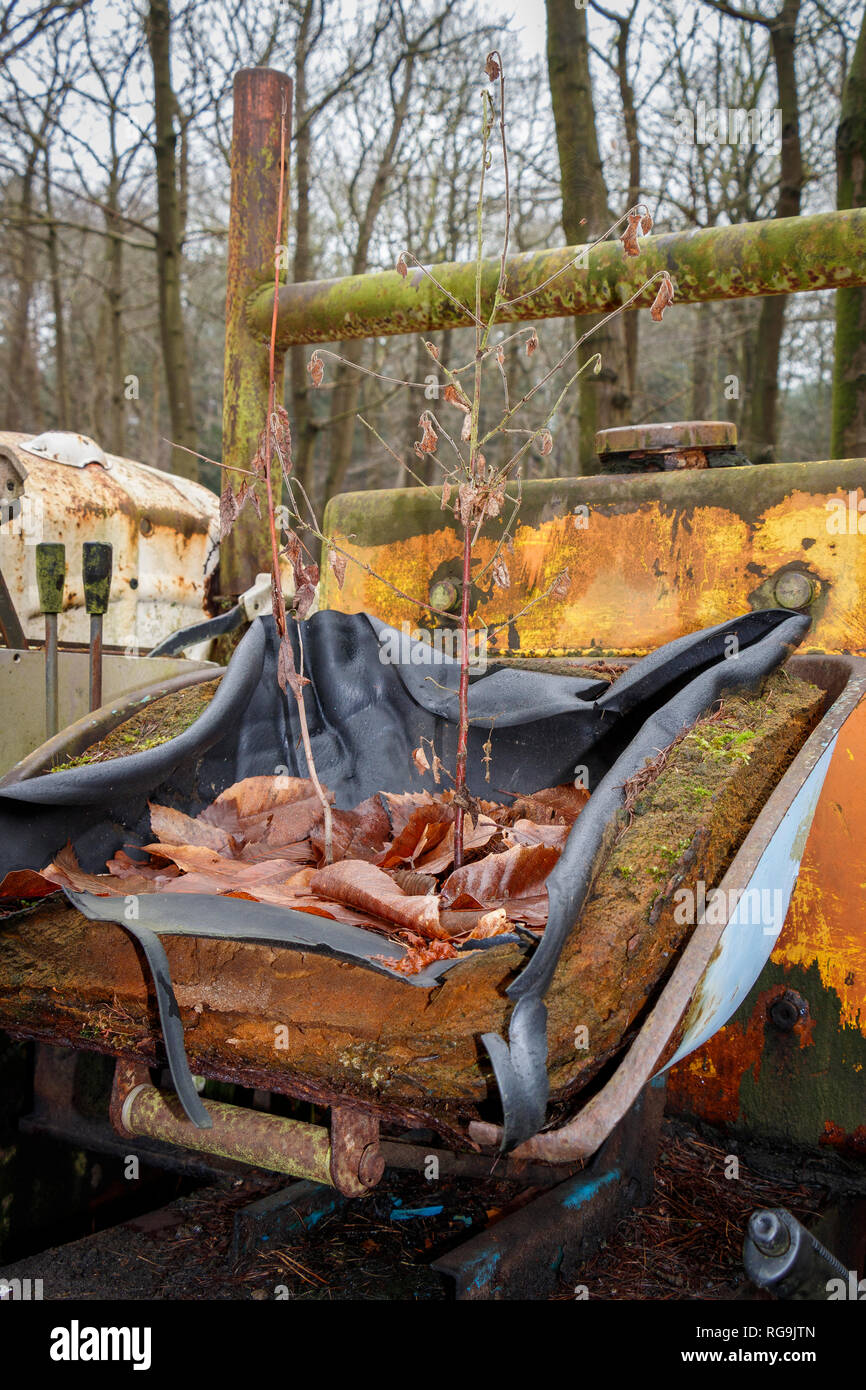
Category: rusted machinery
[98,555]
[653,556]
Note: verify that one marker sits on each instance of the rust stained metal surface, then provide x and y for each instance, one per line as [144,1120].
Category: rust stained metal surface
[716,962]
[802,1085]
[782,256]
[273,1142]
[164,534]
[347,1158]
[63,978]
[649,557]
[672,434]
[259,94]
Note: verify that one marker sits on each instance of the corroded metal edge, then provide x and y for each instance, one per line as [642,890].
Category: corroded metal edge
[651,1051]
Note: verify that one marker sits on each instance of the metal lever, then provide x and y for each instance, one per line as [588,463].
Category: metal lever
[50,578]
[96,570]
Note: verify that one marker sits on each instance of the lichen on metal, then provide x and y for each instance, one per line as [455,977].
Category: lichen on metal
[649,557]
[781,256]
[258,97]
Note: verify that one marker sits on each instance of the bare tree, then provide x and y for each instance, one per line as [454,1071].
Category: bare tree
[762,424]
[169,244]
[604,400]
[849,373]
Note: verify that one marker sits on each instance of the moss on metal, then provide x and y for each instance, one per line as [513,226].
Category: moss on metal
[782,256]
[258,93]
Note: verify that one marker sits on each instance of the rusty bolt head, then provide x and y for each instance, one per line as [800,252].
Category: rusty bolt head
[444,594]
[786,1011]
[793,589]
[371,1166]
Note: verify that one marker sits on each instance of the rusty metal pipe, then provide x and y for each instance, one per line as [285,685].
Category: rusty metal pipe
[346,1158]
[259,95]
[779,256]
[248,1136]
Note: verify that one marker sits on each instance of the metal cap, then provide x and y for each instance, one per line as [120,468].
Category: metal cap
[62,446]
[676,434]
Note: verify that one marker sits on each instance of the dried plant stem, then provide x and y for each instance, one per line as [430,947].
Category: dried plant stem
[276,579]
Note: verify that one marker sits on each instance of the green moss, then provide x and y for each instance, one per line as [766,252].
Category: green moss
[159,721]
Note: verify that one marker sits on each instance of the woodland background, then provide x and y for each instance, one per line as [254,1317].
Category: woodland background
[115,129]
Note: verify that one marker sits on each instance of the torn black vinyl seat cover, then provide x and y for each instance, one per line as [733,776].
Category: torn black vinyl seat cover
[367,711]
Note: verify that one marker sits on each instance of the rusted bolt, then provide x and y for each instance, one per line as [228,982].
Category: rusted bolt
[793,589]
[786,1011]
[371,1166]
[444,594]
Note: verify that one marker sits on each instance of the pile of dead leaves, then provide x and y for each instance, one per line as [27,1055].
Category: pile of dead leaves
[393,861]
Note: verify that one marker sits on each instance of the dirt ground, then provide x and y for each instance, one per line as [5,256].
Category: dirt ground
[685,1245]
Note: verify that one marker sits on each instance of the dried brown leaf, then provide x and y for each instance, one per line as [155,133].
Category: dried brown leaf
[514,880]
[456,397]
[338,563]
[363,885]
[429,439]
[629,236]
[316,368]
[664,297]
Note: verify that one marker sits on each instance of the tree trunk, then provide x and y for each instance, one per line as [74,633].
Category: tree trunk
[630,322]
[605,399]
[762,414]
[169,245]
[115,420]
[849,371]
[702,360]
[22,372]
[345,398]
[61,368]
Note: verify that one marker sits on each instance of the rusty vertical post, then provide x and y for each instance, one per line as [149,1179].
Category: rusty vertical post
[258,102]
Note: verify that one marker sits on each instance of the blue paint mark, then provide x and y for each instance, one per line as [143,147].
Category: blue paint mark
[485,1263]
[409,1213]
[311,1218]
[583,1190]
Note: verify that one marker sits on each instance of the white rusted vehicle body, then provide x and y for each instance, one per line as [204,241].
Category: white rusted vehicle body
[164,531]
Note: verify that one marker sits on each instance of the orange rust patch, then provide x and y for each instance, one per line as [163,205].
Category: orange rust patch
[853,1144]
[825,921]
[708,1082]
[640,574]
[824,926]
